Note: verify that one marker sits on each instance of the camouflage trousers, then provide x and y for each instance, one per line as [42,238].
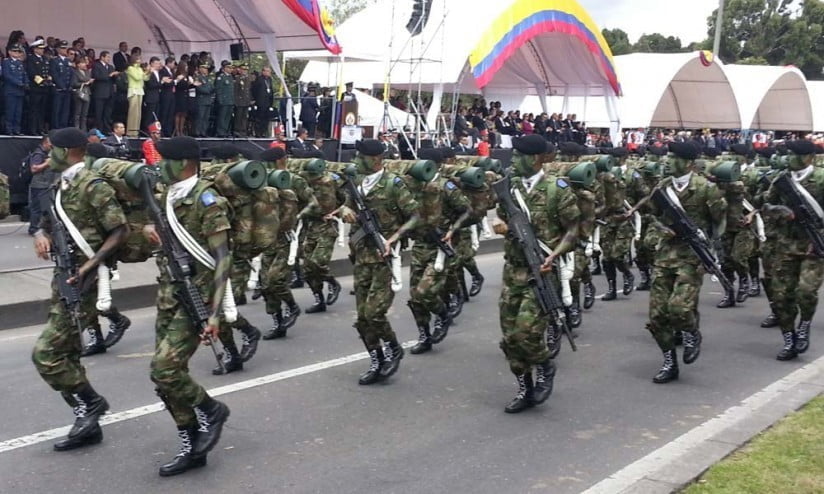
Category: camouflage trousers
[426,285]
[274,278]
[738,247]
[176,340]
[768,256]
[462,243]
[644,252]
[794,286]
[673,302]
[616,239]
[373,297]
[523,325]
[241,270]
[581,273]
[56,353]
[317,253]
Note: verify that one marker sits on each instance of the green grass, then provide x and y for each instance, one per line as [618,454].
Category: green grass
[787,458]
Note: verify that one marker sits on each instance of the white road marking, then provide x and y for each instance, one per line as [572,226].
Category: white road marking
[113,418]
[671,452]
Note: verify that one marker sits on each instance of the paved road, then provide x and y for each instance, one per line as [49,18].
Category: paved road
[16,246]
[437,427]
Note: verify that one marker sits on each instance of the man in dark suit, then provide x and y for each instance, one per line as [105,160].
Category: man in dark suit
[461,125]
[117,141]
[167,97]
[263,101]
[61,73]
[309,111]
[151,97]
[463,147]
[121,58]
[103,73]
[37,70]
[300,144]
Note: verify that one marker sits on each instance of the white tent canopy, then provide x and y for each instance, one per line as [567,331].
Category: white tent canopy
[816,89]
[771,97]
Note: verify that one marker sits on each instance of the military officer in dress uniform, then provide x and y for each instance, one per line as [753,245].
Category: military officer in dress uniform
[243,100]
[15,84]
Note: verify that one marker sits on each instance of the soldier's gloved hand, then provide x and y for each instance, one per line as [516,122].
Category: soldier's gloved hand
[42,245]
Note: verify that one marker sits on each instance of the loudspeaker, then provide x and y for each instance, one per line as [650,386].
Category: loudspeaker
[236,50]
[420,14]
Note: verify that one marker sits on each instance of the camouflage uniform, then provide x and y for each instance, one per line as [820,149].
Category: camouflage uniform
[320,235]
[554,212]
[202,213]
[274,262]
[738,241]
[92,206]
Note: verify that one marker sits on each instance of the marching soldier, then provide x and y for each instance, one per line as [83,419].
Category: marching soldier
[205,97]
[86,203]
[797,270]
[552,207]
[243,100]
[645,247]
[387,196]
[673,300]
[203,215]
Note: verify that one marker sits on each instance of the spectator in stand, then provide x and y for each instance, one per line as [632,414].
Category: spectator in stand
[16,38]
[121,58]
[150,154]
[309,111]
[136,77]
[15,83]
[151,93]
[103,75]
[483,146]
[81,88]
[167,96]
[42,179]
[464,147]
[263,101]
[37,70]
[526,125]
[183,82]
[117,141]
[61,71]
[91,55]
[300,143]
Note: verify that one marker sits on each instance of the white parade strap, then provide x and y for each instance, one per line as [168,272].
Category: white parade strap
[254,276]
[596,239]
[486,230]
[294,244]
[440,259]
[397,280]
[341,233]
[759,222]
[473,236]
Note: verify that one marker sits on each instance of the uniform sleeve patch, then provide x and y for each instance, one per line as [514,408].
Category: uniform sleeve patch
[398,180]
[635,174]
[450,185]
[335,176]
[208,199]
[562,183]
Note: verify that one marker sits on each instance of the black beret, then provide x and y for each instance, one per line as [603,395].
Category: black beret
[272,154]
[369,147]
[225,151]
[711,152]
[766,152]
[657,150]
[97,150]
[740,149]
[781,149]
[432,154]
[641,150]
[571,148]
[801,147]
[618,152]
[69,137]
[532,144]
[684,150]
[179,148]
[550,148]
[447,153]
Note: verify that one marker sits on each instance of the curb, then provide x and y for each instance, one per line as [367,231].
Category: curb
[34,312]
[679,463]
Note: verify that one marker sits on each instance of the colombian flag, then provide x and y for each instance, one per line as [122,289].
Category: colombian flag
[318,19]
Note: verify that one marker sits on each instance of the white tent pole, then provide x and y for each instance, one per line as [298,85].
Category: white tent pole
[270,41]
[542,94]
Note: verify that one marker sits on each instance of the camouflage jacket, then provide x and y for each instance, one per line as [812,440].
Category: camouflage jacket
[789,235]
[734,194]
[441,204]
[329,195]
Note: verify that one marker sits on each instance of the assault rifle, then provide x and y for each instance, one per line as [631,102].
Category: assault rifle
[367,219]
[687,231]
[520,230]
[62,253]
[436,237]
[180,267]
[806,215]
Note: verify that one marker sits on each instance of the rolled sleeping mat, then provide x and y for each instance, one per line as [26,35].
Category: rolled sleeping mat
[472,177]
[315,166]
[605,163]
[249,175]
[128,172]
[279,179]
[583,173]
[420,170]
[726,171]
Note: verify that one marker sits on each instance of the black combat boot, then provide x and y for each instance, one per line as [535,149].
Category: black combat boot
[88,407]
[334,291]
[241,299]
[628,277]
[525,397]
[455,305]
[257,292]
[118,324]
[611,273]
[291,316]
[442,323]
[250,336]
[574,314]
[211,415]
[755,286]
[589,295]
[553,340]
[296,278]
[788,352]
[277,331]
[477,284]
[544,380]
[802,337]
[692,346]
[727,301]
[424,343]
[668,371]
[319,305]
[95,344]
[646,281]
[373,373]
[185,459]
[596,263]
[231,362]
[770,321]
[743,289]
[393,353]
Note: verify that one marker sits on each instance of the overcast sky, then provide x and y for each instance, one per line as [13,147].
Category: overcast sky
[686,20]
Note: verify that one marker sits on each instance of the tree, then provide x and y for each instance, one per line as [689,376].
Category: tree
[657,43]
[340,10]
[617,40]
